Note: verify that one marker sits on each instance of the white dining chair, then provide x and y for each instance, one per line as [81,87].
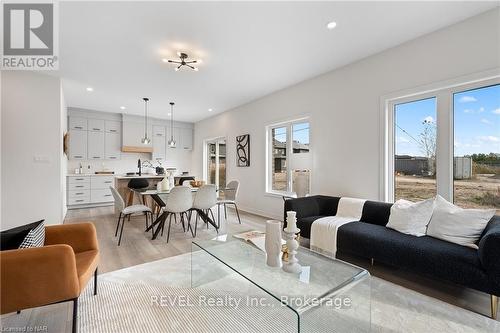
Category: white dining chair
[179,201]
[230,197]
[126,211]
[204,200]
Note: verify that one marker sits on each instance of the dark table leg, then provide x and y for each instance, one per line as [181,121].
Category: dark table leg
[160,220]
[206,218]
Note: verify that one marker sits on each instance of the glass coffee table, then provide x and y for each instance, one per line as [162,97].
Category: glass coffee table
[329,295]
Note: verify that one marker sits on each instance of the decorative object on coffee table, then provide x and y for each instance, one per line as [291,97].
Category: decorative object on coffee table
[273,243]
[243,150]
[292,265]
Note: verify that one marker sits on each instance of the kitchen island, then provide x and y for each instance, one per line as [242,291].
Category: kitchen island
[121,183]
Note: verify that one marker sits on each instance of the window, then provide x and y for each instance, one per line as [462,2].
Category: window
[279,171]
[415,132]
[476,162]
[445,141]
[288,159]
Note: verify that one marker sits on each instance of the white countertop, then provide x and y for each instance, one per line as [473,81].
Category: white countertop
[86,175]
[141,176]
[122,176]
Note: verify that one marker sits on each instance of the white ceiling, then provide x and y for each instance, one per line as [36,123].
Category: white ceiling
[248,49]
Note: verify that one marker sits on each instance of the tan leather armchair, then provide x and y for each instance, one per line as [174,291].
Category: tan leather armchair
[57,272]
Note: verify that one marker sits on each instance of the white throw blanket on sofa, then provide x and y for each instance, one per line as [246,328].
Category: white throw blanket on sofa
[324,230]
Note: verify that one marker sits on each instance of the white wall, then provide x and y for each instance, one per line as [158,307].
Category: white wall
[31,144]
[343,106]
[64,159]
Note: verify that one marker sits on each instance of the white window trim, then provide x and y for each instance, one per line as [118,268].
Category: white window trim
[443,91]
[269,154]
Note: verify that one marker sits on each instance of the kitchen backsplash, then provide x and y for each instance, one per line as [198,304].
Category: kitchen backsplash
[128,163]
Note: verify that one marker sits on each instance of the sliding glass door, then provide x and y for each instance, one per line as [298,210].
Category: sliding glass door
[445,141]
[415,132]
[476,160]
[216,162]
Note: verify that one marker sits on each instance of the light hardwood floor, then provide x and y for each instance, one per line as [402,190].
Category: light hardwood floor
[137,248]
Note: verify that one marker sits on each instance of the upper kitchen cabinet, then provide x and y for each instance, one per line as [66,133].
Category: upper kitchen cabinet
[177,137]
[112,126]
[133,133]
[112,146]
[186,141]
[159,142]
[77,123]
[95,145]
[96,125]
[77,144]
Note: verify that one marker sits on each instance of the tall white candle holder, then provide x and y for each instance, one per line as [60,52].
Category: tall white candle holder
[291,231]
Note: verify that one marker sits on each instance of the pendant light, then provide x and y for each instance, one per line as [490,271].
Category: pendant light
[171,142]
[145,140]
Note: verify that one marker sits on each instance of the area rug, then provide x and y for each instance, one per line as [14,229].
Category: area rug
[157,297]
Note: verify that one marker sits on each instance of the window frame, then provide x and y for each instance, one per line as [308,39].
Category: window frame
[289,148]
[443,92]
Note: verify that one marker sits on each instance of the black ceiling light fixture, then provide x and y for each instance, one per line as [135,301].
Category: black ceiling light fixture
[183,62]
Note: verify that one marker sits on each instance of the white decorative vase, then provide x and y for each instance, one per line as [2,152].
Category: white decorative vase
[292,265]
[273,243]
[165,186]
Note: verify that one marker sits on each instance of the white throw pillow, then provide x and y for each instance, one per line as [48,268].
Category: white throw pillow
[411,218]
[457,225]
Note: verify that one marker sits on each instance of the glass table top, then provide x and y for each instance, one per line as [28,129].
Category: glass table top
[321,278]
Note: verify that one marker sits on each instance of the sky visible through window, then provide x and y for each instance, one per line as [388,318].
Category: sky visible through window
[300,133]
[476,122]
[410,122]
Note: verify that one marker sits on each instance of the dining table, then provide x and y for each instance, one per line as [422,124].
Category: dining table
[159,222]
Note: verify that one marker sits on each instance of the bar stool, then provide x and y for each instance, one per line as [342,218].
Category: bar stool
[136,184]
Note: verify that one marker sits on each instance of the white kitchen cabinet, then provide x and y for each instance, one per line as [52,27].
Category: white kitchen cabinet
[95,150]
[177,137]
[77,123]
[133,132]
[77,144]
[159,142]
[186,141]
[101,195]
[159,130]
[89,190]
[113,126]
[112,146]
[101,182]
[96,125]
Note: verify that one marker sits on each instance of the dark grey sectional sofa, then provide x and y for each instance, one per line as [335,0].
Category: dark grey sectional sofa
[369,238]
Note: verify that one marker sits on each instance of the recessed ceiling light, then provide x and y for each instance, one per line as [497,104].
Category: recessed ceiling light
[331,25]
[164,60]
[90,89]
[169,114]
[210,110]
[122,107]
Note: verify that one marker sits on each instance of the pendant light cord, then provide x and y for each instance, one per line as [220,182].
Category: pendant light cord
[172,121]
[146,140]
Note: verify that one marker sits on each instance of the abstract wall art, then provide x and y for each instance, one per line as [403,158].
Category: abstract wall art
[243,150]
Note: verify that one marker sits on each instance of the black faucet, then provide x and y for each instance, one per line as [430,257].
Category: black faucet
[139,165]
